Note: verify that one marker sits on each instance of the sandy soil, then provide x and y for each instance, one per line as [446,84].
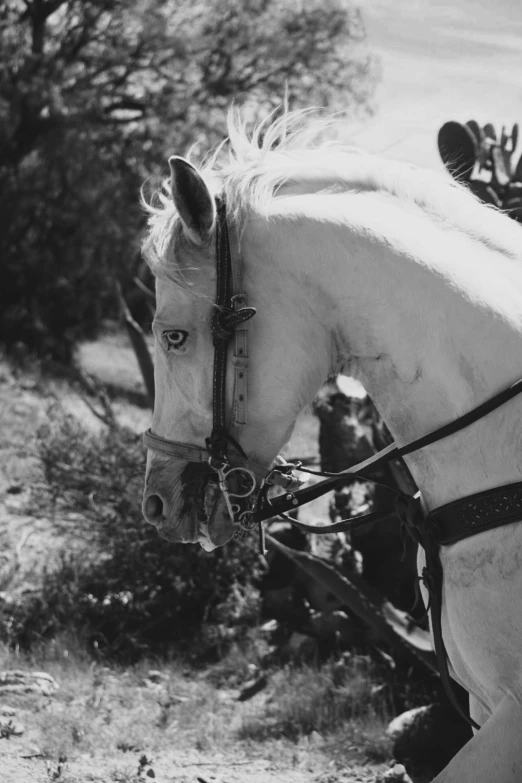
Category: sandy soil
[178,766]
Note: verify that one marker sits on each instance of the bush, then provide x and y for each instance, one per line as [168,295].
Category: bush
[125,590]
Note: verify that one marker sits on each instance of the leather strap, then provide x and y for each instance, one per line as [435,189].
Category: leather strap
[346,525]
[193,453]
[218,441]
[240,360]
[303,496]
[174,448]
[476,513]
[463,421]
[230,312]
[432,577]
[293,500]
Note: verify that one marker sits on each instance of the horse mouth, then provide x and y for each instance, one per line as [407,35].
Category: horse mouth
[202,513]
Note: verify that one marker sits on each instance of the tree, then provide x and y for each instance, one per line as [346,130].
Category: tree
[93,96]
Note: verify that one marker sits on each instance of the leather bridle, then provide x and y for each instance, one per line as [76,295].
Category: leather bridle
[238,476]
[245,484]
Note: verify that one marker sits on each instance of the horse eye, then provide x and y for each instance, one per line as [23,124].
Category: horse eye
[175,338]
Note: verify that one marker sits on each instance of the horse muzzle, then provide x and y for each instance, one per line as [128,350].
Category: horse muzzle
[185,504]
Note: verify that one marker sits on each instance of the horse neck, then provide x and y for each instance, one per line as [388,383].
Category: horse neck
[428,318]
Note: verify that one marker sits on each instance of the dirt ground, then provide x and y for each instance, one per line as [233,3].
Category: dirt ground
[181,766]
[104,725]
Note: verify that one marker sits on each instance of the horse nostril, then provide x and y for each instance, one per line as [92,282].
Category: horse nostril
[153,508]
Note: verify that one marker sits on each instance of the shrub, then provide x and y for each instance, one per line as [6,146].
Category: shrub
[341,694]
[125,590]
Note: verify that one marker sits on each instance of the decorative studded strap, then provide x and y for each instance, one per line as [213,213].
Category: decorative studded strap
[476,513]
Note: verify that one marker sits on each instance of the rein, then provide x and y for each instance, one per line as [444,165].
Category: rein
[293,500]
[244,483]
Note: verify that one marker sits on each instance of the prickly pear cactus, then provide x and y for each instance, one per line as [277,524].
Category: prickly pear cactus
[489,162]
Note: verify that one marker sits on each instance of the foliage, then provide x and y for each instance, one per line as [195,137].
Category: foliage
[343,693]
[126,591]
[93,96]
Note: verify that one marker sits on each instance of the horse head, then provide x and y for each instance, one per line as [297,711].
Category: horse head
[182,498]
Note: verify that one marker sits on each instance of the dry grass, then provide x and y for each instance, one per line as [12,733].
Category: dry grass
[339,705]
[336,712]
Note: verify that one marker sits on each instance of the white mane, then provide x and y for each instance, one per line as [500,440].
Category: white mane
[251,170]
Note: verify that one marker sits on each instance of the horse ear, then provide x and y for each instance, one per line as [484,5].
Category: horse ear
[192,200]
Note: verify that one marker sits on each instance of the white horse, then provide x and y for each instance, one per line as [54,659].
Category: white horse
[387,273]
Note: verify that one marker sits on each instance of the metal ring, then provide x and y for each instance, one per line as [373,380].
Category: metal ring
[243,472]
[247,521]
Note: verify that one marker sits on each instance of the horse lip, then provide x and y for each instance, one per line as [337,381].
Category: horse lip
[166,531]
[213,502]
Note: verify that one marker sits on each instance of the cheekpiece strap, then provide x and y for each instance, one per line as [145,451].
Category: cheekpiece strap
[229,323]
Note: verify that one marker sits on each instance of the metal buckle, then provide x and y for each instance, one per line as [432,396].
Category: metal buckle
[237,299]
[286,479]
[245,477]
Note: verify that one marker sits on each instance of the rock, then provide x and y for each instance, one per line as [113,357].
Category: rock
[397,774]
[403,722]
[301,646]
[156,677]
[427,738]
[17,681]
